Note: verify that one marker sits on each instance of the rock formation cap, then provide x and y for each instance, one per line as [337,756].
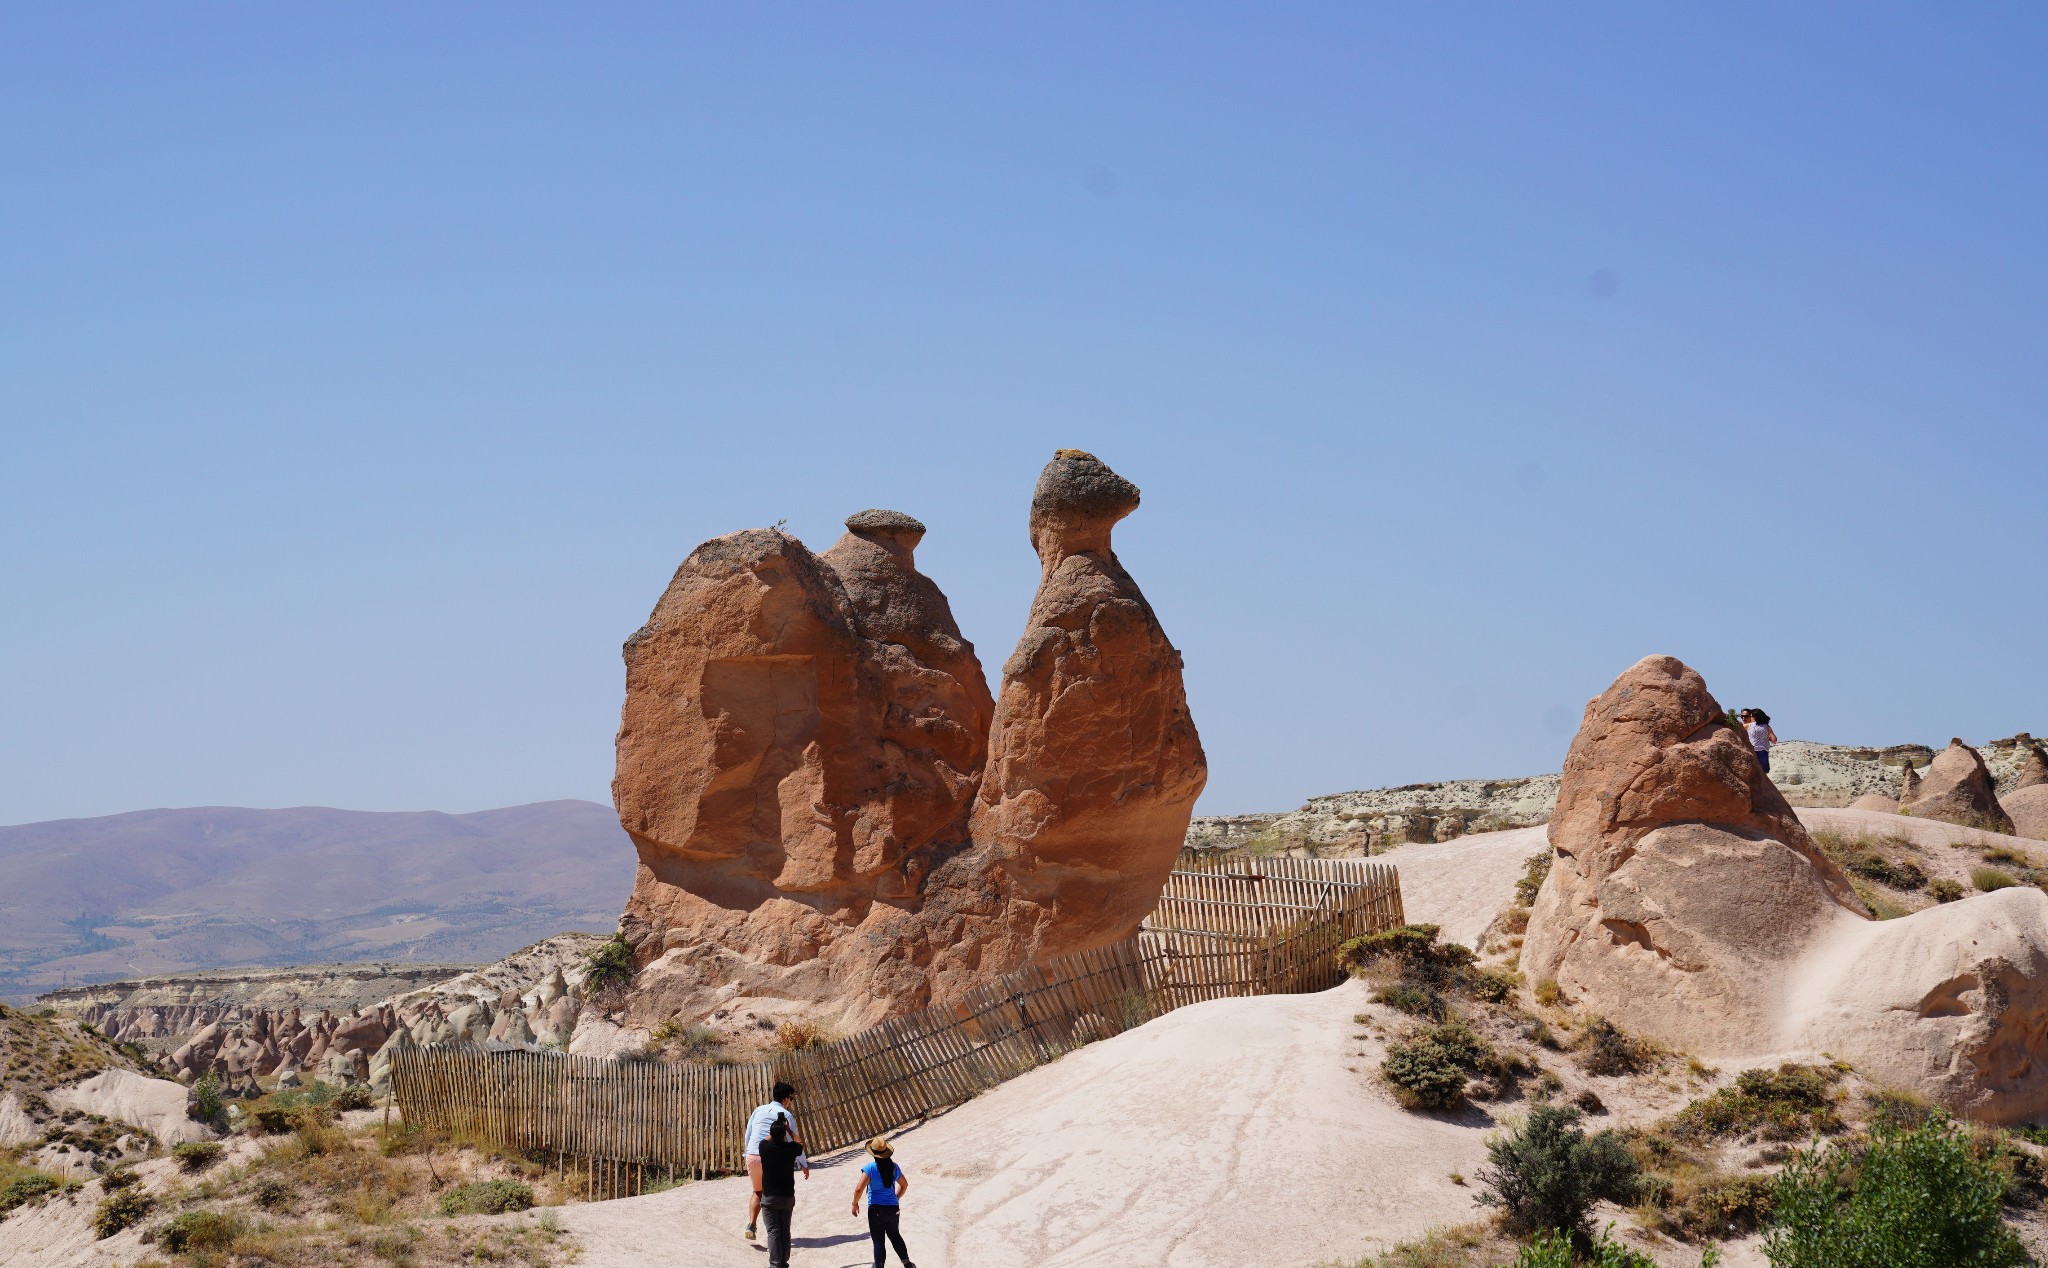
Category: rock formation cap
[875,520]
[1076,503]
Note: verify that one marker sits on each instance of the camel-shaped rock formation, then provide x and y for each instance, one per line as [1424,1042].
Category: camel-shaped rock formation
[1687,903]
[831,813]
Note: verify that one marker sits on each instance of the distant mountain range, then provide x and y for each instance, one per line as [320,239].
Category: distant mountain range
[159,891]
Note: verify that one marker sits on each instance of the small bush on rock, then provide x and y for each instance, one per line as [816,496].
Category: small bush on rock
[24,1189]
[199,1231]
[1916,1198]
[1990,879]
[196,1155]
[1612,1050]
[1412,950]
[1548,1174]
[203,1104]
[120,1209]
[1787,1104]
[1556,1250]
[487,1197]
[1533,875]
[1412,998]
[1425,1075]
[610,965]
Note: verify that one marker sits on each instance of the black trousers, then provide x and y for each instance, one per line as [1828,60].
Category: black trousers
[882,1223]
[775,1213]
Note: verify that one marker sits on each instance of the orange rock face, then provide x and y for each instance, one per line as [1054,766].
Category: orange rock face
[1683,882]
[1957,788]
[1094,764]
[802,745]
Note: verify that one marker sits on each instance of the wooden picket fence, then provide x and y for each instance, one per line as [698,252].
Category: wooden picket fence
[1227,928]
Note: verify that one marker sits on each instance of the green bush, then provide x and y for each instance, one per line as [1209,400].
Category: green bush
[1916,1198]
[1548,1174]
[24,1189]
[1555,1250]
[196,1155]
[1876,867]
[487,1197]
[1413,998]
[203,1104]
[1492,985]
[355,1096]
[1611,1050]
[199,1230]
[119,1210]
[1990,879]
[1413,949]
[1793,1102]
[1429,1071]
[610,965]
[1424,1075]
[1945,891]
[1533,874]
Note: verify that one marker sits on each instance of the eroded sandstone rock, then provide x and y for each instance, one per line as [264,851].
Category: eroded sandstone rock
[1950,1002]
[1686,903]
[2033,770]
[1957,788]
[833,816]
[1684,882]
[2027,807]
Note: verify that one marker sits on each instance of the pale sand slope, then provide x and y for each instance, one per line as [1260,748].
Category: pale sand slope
[1461,885]
[1237,1132]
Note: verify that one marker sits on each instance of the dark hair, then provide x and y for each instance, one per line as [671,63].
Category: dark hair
[783,1092]
[886,1169]
[778,1131]
[1761,716]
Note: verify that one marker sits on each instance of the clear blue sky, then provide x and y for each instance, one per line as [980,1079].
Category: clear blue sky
[366,369]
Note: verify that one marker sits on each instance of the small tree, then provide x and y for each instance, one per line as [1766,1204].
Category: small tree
[1549,1174]
[1915,1198]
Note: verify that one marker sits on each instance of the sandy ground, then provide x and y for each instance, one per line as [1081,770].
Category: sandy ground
[1232,1133]
[1228,1133]
[1462,885]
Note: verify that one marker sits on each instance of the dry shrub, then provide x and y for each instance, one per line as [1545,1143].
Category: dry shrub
[794,1036]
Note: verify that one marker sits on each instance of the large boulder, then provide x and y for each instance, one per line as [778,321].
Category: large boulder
[833,816]
[1957,788]
[2027,807]
[2033,769]
[1687,903]
[1950,1002]
[1683,883]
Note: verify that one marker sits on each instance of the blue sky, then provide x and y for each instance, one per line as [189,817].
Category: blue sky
[365,370]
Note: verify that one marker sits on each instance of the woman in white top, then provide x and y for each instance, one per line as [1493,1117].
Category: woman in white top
[1761,736]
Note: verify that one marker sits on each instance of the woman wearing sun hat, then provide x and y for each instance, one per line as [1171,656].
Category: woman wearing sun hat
[883,1181]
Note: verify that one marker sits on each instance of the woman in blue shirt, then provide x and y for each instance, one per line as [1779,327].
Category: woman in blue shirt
[883,1182]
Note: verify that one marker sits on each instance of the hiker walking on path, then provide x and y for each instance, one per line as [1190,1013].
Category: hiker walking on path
[883,1181]
[758,1124]
[780,1157]
[1761,736]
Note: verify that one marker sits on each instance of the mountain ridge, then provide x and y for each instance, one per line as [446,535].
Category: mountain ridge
[171,889]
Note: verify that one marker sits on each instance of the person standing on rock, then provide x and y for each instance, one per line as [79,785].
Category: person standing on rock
[1761,736]
[883,1181]
[780,1157]
[759,1123]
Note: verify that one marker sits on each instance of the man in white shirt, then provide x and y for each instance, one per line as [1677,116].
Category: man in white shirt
[758,1123]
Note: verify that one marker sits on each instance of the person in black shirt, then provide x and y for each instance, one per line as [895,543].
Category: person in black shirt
[780,1157]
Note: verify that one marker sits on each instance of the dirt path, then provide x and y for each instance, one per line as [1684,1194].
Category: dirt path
[1232,1133]
[1229,1133]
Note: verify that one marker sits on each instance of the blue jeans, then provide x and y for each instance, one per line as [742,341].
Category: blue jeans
[1763,759]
